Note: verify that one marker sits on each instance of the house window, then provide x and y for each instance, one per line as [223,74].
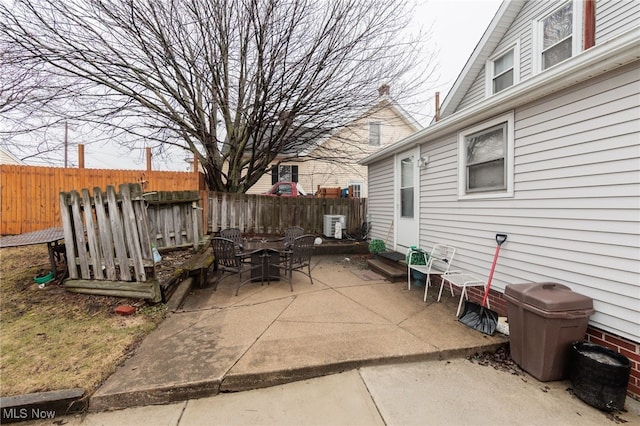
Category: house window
[486,159]
[356,188]
[284,173]
[503,70]
[557,36]
[406,187]
[374,133]
[485,153]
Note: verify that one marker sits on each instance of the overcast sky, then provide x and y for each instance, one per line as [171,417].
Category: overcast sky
[457,27]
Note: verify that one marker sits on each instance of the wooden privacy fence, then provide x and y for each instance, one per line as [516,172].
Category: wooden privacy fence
[271,215]
[107,243]
[175,218]
[29,194]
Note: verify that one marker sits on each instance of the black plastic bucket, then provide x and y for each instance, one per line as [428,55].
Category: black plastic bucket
[599,376]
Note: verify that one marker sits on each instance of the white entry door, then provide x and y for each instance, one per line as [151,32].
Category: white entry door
[407,193]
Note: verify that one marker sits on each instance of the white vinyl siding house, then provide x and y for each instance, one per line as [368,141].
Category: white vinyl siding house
[574,217]
[574,213]
[613,17]
[380,203]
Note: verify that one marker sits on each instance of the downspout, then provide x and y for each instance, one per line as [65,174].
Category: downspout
[589,24]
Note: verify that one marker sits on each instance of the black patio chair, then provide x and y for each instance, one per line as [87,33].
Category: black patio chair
[298,257]
[229,259]
[233,234]
[291,233]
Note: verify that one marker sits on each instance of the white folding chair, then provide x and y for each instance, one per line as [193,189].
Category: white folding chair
[439,263]
[464,281]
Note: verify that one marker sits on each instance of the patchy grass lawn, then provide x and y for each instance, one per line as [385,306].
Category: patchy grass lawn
[52,339]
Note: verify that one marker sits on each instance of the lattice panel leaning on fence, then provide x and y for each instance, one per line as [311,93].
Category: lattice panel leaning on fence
[107,243]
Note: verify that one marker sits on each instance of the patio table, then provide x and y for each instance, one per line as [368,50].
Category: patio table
[266,253]
[50,236]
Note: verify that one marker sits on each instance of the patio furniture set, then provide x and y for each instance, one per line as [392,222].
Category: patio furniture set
[439,262]
[263,258]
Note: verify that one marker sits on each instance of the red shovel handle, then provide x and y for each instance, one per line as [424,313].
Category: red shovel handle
[500,239]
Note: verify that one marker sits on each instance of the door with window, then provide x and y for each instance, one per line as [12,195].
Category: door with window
[407,192]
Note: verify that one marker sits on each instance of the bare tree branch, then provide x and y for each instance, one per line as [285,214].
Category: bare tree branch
[235,82]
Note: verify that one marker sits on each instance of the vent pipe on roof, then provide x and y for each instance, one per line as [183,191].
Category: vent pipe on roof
[437,106]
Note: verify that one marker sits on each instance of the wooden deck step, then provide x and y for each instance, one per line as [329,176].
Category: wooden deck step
[391,271]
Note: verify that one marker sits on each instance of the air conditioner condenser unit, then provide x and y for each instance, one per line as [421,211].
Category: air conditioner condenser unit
[330,221]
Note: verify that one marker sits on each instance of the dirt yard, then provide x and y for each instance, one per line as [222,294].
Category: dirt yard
[53,339]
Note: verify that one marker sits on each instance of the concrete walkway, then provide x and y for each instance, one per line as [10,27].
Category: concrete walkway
[448,392]
[350,349]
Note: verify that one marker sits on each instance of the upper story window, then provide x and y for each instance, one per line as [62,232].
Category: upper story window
[503,70]
[374,133]
[557,30]
[557,35]
[485,155]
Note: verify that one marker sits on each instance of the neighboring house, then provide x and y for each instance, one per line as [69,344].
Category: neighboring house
[8,158]
[539,138]
[333,161]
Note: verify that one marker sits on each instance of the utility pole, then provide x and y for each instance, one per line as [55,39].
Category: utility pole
[66,143]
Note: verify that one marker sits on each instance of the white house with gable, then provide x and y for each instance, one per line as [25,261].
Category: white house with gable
[539,139]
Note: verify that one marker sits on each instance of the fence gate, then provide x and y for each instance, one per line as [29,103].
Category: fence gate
[107,243]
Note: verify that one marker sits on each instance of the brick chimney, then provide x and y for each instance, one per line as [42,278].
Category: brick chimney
[384,90]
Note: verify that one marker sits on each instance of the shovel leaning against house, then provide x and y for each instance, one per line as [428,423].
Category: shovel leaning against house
[479,317]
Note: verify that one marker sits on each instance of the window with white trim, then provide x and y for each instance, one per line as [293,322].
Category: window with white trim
[356,188]
[503,70]
[374,133]
[486,159]
[558,35]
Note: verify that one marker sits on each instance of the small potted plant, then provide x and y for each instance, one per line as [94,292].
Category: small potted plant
[376,247]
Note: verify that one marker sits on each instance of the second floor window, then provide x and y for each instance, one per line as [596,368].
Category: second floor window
[503,72]
[557,36]
[374,133]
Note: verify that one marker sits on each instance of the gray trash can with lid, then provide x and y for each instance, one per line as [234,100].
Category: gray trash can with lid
[544,320]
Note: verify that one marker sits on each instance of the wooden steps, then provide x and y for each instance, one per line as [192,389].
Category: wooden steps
[385,265]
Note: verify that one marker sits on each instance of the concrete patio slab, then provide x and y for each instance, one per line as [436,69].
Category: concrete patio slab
[268,335]
[187,356]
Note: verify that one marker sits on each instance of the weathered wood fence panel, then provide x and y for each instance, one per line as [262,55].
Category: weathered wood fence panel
[175,218]
[95,229]
[271,215]
[29,195]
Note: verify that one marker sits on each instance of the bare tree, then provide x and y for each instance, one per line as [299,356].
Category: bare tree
[235,82]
